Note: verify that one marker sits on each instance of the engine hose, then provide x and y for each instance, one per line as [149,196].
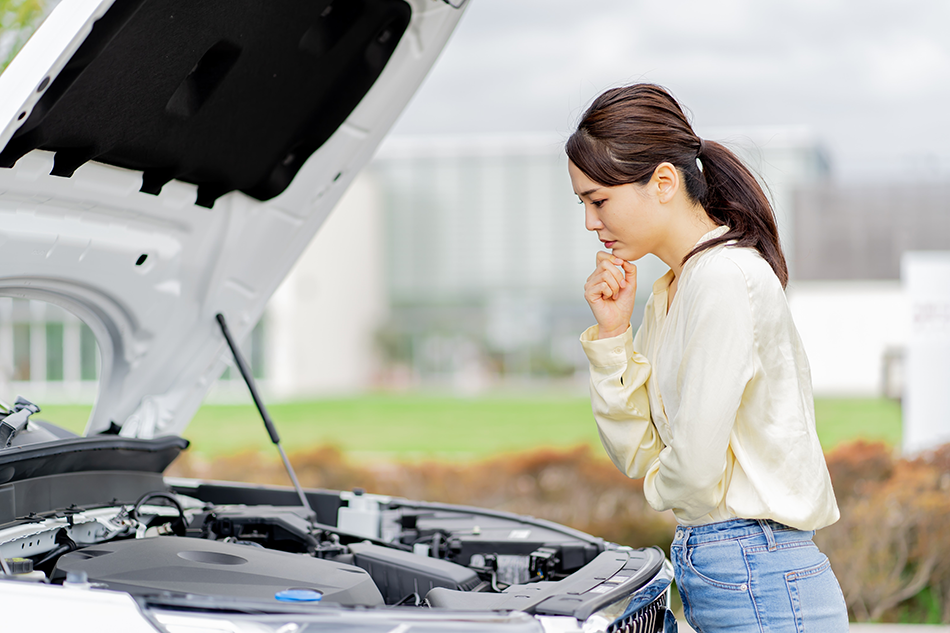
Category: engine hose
[178,527]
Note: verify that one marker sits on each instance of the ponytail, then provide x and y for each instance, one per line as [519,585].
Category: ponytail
[734,198]
[627,132]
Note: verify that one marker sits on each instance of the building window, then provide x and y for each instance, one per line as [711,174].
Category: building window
[43,344]
[54,352]
[21,351]
[257,350]
[253,349]
[88,354]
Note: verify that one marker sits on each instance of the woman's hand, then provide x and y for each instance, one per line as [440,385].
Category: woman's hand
[610,293]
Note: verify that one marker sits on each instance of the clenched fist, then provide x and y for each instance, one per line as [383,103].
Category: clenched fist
[610,291]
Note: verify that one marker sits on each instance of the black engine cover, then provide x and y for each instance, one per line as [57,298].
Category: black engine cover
[212,568]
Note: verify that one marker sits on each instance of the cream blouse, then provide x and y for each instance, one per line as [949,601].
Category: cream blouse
[711,403]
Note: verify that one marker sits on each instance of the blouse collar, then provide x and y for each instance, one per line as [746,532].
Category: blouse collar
[662,284]
[719,231]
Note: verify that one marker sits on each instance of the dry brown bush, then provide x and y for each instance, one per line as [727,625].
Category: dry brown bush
[856,466]
[892,541]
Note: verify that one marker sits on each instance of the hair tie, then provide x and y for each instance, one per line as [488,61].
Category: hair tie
[702,149]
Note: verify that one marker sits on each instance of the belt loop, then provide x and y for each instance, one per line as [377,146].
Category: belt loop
[769,536]
[686,532]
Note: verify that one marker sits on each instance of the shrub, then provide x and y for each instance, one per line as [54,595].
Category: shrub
[889,549]
[857,466]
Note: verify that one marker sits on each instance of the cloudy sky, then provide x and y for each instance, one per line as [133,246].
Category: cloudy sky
[870,78]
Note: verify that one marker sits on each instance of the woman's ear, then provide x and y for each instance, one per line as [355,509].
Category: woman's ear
[665,182]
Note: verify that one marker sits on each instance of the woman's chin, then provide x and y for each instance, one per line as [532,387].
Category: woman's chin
[627,254]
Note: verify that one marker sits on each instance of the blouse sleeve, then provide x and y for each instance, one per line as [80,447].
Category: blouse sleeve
[620,403]
[692,474]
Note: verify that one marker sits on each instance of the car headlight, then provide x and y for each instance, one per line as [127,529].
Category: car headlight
[646,610]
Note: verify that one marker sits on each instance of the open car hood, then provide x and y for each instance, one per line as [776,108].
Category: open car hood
[164,161]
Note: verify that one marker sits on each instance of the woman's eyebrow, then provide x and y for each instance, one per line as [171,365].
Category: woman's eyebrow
[588,192]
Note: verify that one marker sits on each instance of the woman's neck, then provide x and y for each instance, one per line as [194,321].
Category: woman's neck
[691,224]
[688,227]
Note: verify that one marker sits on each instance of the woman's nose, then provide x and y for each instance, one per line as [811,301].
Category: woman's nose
[591,220]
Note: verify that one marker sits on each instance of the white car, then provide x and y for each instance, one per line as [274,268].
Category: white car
[163,163]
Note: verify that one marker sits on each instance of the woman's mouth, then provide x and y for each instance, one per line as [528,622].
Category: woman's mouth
[609,243]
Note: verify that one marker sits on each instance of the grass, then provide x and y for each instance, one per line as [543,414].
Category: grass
[844,420]
[415,426]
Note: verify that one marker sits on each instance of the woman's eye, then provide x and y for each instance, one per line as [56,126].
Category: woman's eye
[597,203]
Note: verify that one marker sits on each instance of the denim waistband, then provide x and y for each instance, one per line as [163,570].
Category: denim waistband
[735,529]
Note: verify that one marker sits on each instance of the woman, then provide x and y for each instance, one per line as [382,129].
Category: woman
[711,402]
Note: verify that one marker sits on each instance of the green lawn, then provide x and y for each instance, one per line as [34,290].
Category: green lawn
[413,426]
[843,420]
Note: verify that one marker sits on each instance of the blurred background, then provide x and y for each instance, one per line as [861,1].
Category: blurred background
[431,328]
[469,246]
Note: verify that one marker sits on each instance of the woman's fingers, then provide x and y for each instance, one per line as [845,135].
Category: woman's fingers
[611,282]
[608,263]
[630,275]
[611,288]
[610,291]
[608,278]
[600,286]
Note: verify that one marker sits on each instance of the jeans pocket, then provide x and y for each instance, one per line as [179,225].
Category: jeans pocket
[720,564]
[713,581]
[817,602]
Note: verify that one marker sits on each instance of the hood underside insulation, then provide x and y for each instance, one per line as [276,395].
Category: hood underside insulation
[224,94]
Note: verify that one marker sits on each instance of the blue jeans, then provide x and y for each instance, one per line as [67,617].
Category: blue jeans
[753,576]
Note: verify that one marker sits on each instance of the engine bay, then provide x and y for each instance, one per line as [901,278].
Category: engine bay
[235,542]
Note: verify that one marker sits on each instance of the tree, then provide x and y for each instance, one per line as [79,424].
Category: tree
[18,20]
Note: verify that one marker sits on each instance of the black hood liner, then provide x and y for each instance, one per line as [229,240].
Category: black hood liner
[84,454]
[225,94]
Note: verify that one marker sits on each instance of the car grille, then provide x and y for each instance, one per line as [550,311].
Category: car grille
[650,619]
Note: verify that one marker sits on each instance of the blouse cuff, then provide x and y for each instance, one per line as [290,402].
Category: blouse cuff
[607,352]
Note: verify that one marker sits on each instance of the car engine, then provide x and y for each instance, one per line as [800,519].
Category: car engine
[96,512]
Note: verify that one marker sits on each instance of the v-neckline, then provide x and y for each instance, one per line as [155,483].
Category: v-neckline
[671,294]
[670,297]
[661,292]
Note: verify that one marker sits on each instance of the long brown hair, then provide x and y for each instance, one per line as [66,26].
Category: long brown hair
[627,132]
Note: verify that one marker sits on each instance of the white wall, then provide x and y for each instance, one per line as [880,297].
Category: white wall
[320,323]
[926,279]
[847,327]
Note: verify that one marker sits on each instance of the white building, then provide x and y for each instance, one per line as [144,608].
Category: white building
[847,296]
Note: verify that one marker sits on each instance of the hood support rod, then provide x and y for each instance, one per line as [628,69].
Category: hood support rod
[271,429]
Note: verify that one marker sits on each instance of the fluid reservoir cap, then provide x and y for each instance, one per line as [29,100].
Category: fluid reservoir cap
[20,565]
[299,595]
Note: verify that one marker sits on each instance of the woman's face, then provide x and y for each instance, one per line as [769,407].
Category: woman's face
[627,219]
